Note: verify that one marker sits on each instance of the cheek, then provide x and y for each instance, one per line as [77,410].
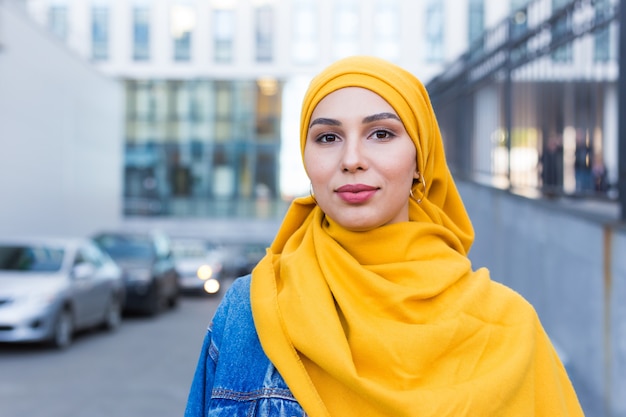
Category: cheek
[402,172]
[316,167]
[409,161]
[309,167]
[401,163]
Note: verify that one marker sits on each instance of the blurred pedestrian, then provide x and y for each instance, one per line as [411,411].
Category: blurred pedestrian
[552,166]
[582,162]
[599,175]
[366,303]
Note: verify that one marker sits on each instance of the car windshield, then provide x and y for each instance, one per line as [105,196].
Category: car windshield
[183,249]
[126,246]
[33,258]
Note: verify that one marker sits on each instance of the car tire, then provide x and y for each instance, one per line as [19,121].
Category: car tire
[174,298]
[113,314]
[157,301]
[63,330]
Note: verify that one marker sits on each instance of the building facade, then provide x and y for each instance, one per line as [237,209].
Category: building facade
[60,128]
[213,88]
[532,106]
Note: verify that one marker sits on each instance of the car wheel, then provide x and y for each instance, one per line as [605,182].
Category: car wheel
[157,302]
[63,330]
[174,298]
[113,314]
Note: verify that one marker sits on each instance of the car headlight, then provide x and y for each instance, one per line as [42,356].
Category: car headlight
[204,272]
[211,286]
[140,275]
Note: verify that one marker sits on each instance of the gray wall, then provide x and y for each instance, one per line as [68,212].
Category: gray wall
[60,135]
[571,266]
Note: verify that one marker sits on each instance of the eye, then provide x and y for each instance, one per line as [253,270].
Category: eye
[327,138]
[382,135]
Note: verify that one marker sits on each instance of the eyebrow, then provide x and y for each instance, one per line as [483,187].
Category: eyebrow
[380,116]
[325,121]
[368,119]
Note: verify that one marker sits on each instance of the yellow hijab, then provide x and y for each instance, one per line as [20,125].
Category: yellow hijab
[394,321]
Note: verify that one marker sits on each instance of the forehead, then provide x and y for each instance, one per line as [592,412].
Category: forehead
[351,101]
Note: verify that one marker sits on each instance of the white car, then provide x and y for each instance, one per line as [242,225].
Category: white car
[52,288]
[199,264]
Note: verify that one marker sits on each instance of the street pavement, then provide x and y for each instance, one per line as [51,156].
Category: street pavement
[143,369]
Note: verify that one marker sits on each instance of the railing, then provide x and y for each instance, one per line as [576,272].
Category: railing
[533,105]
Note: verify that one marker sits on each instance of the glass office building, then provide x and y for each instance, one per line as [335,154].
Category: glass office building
[202,147]
[207,85]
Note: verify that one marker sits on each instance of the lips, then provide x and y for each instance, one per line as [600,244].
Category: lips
[356,193]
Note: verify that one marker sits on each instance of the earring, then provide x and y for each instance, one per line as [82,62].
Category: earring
[423,182]
[311,193]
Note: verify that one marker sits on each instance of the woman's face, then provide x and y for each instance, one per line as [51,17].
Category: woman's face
[360,160]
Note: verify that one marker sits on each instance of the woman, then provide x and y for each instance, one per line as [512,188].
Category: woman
[366,303]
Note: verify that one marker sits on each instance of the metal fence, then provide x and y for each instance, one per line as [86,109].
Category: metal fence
[533,105]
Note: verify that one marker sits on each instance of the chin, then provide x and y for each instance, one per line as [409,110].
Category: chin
[363,226]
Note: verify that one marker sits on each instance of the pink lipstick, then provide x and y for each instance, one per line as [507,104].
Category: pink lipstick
[356,193]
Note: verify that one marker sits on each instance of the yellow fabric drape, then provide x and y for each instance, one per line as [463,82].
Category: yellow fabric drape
[394,321]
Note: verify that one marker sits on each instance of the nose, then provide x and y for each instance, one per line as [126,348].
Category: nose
[354,157]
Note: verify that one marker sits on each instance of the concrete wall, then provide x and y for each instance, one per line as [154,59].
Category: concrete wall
[571,267]
[60,135]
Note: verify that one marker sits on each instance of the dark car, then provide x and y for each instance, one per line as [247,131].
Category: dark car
[150,276]
[241,258]
[52,287]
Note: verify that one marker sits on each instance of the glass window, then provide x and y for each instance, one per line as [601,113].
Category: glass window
[386,29]
[601,52]
[126,246]
[161,245]
[202,110]
[159,103]
[518,29]
[182,47]
[304,45]
[244,103]
[223,111]
[31,258]
[223,35]
[518,4]
[100,33]
[266,173]
[346,28]
[267,110]
[141,33]
[183,95]
[224,179]
[182,24]
[57,20]
[434,31]
[560,27]
[264,23]
[140,112]
[476,20]
[91,254]
[143,99]
[223,134]
[182,104]
[520,19]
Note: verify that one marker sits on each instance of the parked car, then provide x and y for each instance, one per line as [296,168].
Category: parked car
[146,260]
[51,288]
[241,258]
[199,263]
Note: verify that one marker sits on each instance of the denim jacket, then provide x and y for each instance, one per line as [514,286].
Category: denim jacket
[234,377]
